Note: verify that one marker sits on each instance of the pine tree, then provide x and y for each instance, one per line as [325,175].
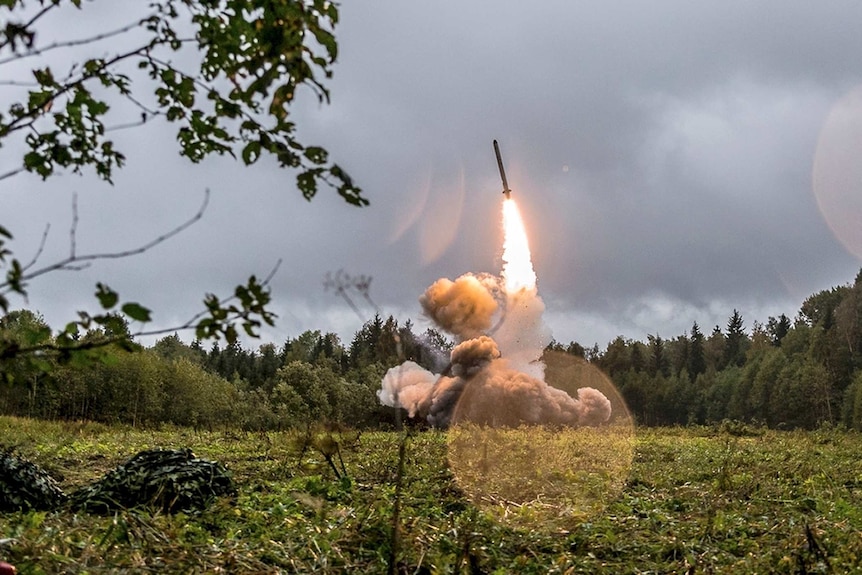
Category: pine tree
[736,341]
[778,328]
[658,361]
[696,357]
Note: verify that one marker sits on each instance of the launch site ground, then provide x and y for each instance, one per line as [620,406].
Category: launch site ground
[726,499]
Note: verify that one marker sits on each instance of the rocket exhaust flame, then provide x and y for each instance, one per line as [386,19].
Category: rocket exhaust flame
[500,335]
[509,430]
[517,263]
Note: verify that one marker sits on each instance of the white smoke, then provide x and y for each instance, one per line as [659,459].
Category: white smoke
[522,334]
[495,376]
[407,385]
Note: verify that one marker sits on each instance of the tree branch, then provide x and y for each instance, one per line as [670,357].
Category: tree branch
[33,112]
[18,83]
[73,230]
[11,173]
[146,113]
[192,321]
[74,261]
[104,342]
[32,21]
[40,249]
[71,43]
[342,283]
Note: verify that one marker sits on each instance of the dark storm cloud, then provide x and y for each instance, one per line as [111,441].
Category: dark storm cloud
[661,153]
[686,131]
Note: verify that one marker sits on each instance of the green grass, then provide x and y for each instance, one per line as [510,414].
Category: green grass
[695,500]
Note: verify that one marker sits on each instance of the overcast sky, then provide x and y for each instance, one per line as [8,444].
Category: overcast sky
[664,155]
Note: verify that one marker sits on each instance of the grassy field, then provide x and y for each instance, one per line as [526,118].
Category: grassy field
[703,500]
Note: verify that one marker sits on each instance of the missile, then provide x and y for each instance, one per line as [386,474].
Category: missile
[506,190]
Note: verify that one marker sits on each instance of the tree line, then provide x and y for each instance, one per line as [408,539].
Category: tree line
[787,374]
[311,378]
[798,373]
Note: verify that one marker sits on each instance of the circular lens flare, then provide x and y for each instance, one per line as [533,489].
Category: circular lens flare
[546,476]
[837,171]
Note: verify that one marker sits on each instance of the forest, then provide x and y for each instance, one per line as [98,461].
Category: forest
[801,373]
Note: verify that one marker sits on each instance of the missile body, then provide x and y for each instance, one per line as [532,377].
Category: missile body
[506,190]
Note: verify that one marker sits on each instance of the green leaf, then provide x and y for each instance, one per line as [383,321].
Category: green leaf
[35,162]
[251,153]
[316,154]
[108,298]
[307,183]
[206,328]
[113,324]
[230,334]
[250,326]
[136,311]
[327,40]
[44,77]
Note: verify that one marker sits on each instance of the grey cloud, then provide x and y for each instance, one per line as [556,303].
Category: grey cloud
[661,152]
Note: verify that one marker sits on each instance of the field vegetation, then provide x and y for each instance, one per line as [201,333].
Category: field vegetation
[730,498]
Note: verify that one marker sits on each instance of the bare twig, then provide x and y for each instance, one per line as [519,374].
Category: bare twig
[70,43]
[127,125]
[19,83]
[28,116]
[75,258]
[343,283]
[145,109]
[146,114]
[74,228]
[76,262]
[395,535]
[11,173]
[39,250]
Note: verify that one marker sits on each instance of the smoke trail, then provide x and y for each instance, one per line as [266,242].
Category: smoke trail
[495,376]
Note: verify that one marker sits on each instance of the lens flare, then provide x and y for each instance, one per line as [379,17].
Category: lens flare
[546,478]
[517,265]
[837,171]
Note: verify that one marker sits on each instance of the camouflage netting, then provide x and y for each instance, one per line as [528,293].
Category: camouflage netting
[25,485]
[169,480]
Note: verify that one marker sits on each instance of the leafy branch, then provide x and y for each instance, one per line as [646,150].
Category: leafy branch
[246,307]
[253,56]
[250,59]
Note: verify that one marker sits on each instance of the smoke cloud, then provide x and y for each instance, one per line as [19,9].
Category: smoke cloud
[495,376]
[464,307]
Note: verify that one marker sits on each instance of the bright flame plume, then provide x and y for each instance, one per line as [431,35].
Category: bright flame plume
[517,265]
